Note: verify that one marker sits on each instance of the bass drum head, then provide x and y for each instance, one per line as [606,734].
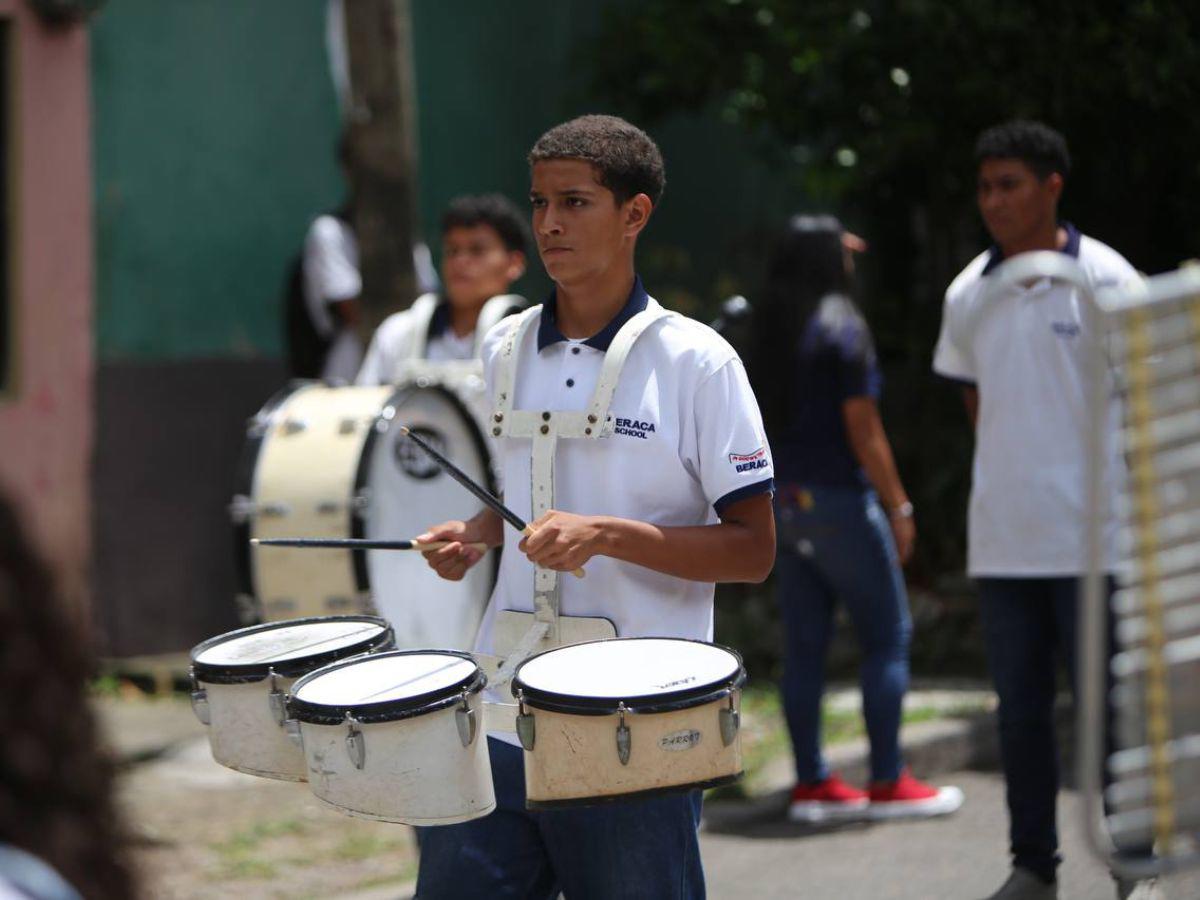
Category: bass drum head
[406,493]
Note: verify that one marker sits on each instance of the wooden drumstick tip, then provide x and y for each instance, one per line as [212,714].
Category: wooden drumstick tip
[403,431]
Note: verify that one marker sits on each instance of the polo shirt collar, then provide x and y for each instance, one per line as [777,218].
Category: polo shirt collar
[1070,248]
[548,332]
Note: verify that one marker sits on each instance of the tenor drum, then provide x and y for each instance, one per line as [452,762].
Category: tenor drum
[396,737]
[610,720]
[241,679]
[326,462]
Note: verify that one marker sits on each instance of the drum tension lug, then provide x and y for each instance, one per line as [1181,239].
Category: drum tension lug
[291,728]
[730,719]
[525,725]
[623,738]
[356,744]
[200,701]
[464,718]
[277,700]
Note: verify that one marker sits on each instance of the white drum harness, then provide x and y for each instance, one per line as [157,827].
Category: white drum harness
[544,628]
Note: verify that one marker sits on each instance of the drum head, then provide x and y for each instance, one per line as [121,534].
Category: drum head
[640,672]
[289,648]
[407,493]
[385,686]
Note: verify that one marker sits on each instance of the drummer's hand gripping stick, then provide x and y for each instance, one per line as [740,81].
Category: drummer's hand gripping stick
[480,493]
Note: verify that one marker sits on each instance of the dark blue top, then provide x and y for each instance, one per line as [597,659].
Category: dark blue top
[835,360]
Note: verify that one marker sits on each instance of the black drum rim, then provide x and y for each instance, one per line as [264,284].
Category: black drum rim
[576,704]
[243,673]
[385,710]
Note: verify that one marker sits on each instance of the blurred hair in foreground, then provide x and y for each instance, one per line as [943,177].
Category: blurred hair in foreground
[56,782]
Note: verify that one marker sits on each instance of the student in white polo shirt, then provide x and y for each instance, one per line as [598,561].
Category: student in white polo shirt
[484,248]
[672,496]
[1022,360]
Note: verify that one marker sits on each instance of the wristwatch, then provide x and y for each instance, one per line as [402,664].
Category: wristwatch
[903,511]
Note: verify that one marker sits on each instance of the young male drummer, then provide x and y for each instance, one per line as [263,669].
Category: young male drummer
[675,498]
[484,245]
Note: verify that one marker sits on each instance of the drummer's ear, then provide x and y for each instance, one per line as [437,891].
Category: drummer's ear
[516,266]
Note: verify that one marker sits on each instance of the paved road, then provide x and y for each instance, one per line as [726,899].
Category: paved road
[750,851]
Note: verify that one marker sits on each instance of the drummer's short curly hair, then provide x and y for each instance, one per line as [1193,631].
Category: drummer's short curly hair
[626,159]
[1037,145]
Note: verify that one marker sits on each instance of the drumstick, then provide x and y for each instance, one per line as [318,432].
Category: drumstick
[486,498]
[360,544]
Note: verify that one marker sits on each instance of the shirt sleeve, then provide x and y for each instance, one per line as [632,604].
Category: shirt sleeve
[733,457]
[950,359]
[857,365]
[330,264]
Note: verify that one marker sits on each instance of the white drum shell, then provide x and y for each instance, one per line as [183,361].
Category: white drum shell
[415,771]
[244,734]
[574,757]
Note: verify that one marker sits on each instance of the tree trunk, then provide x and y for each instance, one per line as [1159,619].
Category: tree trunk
[381,137]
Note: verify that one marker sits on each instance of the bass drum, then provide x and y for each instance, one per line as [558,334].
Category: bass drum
[328,462]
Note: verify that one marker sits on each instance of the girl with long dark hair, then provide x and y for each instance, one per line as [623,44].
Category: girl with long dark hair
[844,521]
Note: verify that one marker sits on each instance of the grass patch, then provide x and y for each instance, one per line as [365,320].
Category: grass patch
[245,855]
[365,844]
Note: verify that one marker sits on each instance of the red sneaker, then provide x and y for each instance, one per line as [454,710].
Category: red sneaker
[906,796]
[822,801]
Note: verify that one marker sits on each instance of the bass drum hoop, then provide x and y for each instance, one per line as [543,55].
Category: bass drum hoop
[386,710]
[387,415]
[245,673]
[577,704]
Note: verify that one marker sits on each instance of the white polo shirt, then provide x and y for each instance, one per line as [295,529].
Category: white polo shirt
[1027,354]
[331,275]
[396,341]
[688,441]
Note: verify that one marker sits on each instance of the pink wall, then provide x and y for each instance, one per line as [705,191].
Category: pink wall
[46,412]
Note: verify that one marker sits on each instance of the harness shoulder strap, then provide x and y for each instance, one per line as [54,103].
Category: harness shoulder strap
[422,310]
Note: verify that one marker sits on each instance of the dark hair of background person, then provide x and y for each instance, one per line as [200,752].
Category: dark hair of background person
[626,159]
[495,210]
[1039,146]
[806,264]
[56,784]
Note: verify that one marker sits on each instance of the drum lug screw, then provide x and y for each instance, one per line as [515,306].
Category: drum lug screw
[545,429]
[730,719]
[624,741]
[587,431]
[499,417]
[356,744]
[496,432]
[545,417]
[464,718]
[200,701]
[525,727]
[277,701]
[592,418]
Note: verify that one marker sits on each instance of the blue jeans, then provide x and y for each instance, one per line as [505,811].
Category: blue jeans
[640,850]
[1029,629]
[835,545]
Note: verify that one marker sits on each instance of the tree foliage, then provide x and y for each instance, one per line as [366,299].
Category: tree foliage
[874,106]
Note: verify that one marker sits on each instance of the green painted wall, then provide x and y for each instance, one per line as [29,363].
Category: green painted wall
[214,129]
[214,125]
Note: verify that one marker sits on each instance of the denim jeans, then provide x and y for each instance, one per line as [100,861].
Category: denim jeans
[836,546]
[640,850]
